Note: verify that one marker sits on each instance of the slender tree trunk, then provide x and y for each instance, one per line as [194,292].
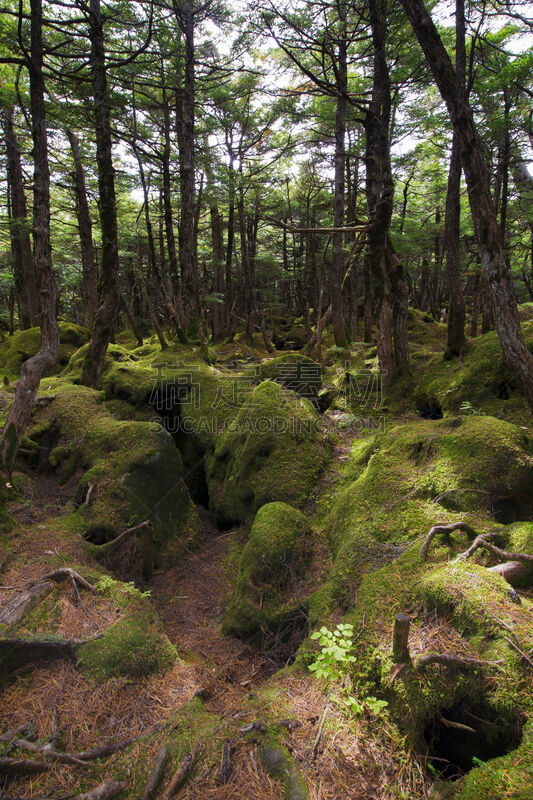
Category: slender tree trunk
[476,304]
[228,299]
[23,265]
[190,281]
[35,367]
[452,219]
[89,285]
[105,317]
[488,231]
[386,268]
[337,256]
[435,283]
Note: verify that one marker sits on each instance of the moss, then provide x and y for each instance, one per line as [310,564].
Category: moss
[134,467]
[272,561]
[18,348]
[273,450]
[508,777]
[279,764]
[479,378]
[293,371]
[133,646]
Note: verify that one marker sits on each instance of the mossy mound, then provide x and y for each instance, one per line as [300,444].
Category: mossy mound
[421,471]
[265,599]
[18,348]
[133,646]
[134,468]
[274,449]
[508,777]
[295,372]
[479,381]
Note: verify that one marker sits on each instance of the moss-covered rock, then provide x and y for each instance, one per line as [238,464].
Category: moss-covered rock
[18,348]
[478,379]
[266,598]
[135,645]
[293,371]
[134,468]
[279,764]
[274,449]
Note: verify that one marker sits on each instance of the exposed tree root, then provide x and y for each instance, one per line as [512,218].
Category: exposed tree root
[21,766]
[35,593]
[182,773]
[20,652]
[444,530]
[226,767]
[447,660]
[516,567]
[157,773]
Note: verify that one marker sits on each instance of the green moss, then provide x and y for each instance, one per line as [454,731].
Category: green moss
[273,450]
[279,764]
[293,371]
[134,468]
[270,567]
[18,348]
[134,646]
[479,378]
[508,777]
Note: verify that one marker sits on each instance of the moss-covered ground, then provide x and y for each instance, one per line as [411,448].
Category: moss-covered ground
[278,505]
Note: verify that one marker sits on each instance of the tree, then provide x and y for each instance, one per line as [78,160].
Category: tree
[487,229]
[35,367]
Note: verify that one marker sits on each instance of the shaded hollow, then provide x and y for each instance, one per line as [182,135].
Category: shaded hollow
[452,750]
[167,401]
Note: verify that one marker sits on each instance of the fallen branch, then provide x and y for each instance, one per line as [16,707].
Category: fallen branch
[253,726]
[104,791]
[49,752]
[157,773]
[225,766]
[448,723]
[444,529]
[18,652]
[320,728]
[447,660]
[182,773]
[21,766]
[24,602]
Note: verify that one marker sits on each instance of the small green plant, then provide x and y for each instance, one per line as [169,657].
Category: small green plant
[334,658]
[467,408]
[332,664]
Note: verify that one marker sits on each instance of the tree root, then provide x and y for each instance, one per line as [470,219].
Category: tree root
[21,766]
[447,660]
[157,773]
[35,593]
[182,773]
[20,652]
[516,567]
[445,530]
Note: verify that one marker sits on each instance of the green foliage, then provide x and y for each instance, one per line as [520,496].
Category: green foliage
[335,657]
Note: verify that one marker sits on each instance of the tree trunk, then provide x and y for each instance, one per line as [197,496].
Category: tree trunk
[89,288]
[337,257]
[35,367]
[452,218]
[23,266]
[488,232]
[106,314]
[190,282]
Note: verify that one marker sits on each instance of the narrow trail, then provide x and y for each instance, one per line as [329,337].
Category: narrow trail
[189,600]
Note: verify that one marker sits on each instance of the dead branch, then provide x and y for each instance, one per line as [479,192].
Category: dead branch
[182,773]
[448,723]
[17,652]
[24,602]
[157,773]
[320,728]
[226,767]
[21,766]
[108,547]
[104,791]
[447,660]
[258,725]
[445,529]
[104,751]
[49,752]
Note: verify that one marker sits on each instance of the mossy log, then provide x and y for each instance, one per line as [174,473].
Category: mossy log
[24,602]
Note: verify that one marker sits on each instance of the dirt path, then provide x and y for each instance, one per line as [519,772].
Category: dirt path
[189,599]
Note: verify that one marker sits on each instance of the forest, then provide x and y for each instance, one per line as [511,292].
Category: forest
[266,349]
